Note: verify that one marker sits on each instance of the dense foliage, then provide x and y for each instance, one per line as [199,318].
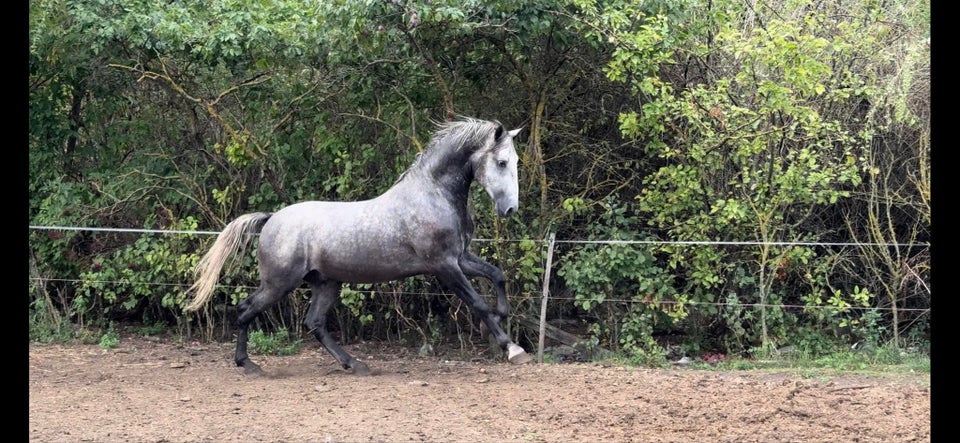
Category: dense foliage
[734,175]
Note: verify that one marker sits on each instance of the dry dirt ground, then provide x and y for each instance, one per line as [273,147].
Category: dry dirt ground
[156,390]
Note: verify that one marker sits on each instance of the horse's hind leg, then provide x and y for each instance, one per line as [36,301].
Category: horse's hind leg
[263,298]
[324,293]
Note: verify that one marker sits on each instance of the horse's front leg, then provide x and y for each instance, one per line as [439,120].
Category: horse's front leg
[474,266]
[453,278]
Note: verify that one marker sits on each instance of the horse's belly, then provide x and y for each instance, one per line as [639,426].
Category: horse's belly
[370,267]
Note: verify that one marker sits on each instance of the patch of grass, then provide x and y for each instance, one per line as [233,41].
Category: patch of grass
[887,359]
[65,332]
[550,358]
[50,332]
[109,339]
[87,335]
[809,374]
[652,359]
[47,325]
[154,329]
[920,364]
[741,364]
[277,343]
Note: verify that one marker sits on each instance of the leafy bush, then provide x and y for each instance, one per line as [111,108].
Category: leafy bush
[621,284]
[684,120]
[110,339]
[124,284]
[276,343]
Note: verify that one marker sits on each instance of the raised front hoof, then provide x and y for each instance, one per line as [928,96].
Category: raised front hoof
[360,368]
[517,356]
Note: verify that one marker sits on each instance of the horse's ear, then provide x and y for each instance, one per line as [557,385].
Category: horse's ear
[515,132]
[498,133]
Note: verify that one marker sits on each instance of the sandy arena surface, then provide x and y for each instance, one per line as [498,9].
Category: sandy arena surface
[154,390]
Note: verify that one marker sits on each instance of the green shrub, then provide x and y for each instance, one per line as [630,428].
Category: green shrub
[277,343]
[109,339]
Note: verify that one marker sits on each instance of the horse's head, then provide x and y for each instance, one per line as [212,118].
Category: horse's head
[495,168]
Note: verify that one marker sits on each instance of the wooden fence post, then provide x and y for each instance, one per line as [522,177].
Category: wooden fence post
[543,299]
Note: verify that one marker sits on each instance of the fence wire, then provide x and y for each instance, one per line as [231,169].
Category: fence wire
[530,295]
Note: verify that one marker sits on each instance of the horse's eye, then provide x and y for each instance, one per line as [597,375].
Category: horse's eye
[502,163]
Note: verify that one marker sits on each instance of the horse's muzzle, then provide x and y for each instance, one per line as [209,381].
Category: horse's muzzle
[505,203]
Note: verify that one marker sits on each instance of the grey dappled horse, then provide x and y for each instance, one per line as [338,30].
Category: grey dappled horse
[421,225]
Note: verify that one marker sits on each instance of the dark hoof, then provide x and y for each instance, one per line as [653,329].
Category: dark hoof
[251,368]
[360,368]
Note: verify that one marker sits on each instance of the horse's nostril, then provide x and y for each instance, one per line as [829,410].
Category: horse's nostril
[509,211]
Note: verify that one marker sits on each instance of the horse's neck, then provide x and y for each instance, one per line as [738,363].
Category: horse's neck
[453,188]
[451,181]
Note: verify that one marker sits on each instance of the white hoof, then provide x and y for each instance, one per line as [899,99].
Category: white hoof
[517,356]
